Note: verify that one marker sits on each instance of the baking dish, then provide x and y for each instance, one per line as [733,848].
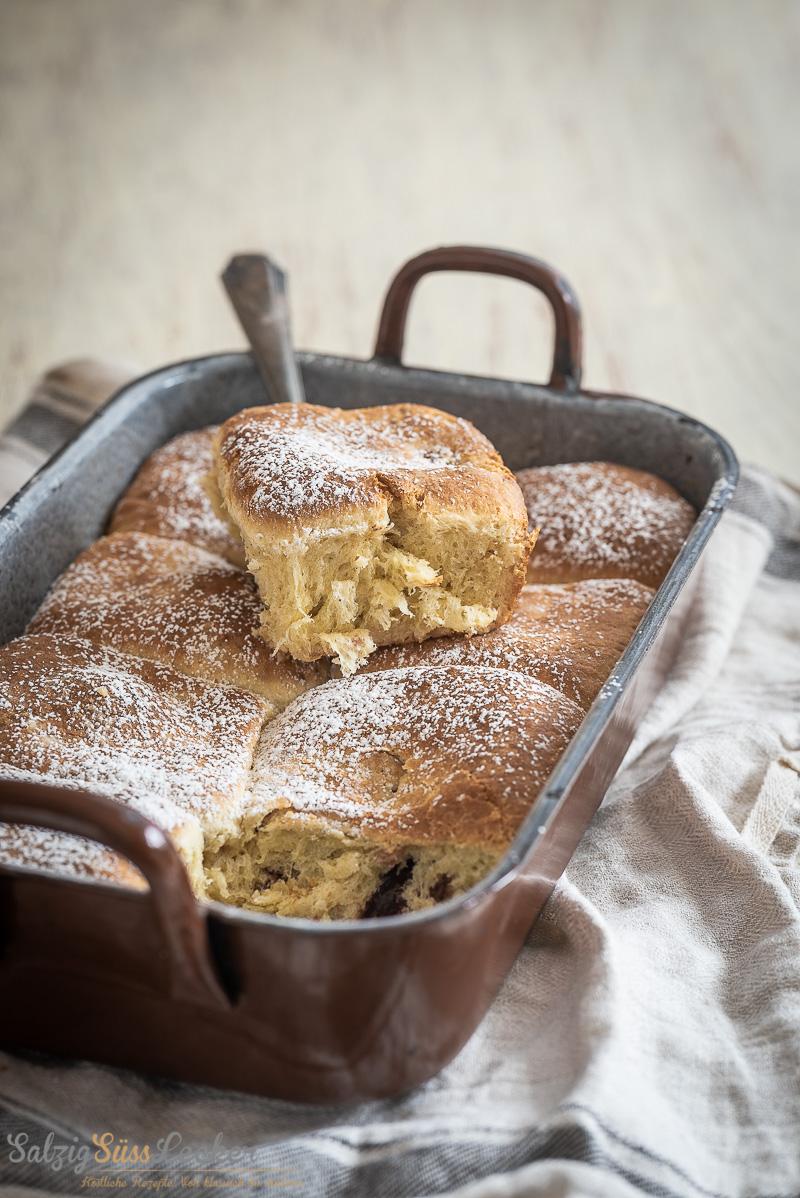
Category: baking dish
[337,1012]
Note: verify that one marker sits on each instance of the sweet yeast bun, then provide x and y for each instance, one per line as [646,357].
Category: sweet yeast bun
[371,526]
[172,602]
[389,791]
[168,498]
[600,520]
[568,636]
[174,748]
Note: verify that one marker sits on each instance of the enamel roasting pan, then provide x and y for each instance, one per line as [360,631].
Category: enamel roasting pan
[158,982]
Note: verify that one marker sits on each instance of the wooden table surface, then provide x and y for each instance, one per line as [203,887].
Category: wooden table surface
[649,148]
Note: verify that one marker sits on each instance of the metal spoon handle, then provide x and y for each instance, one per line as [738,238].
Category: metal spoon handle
[257,289]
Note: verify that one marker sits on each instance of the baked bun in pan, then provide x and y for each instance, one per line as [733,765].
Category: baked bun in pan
[172,602]
[174,748]
[389,791]
[600,520]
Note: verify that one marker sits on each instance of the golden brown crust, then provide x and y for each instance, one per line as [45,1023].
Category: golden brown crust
[568,636]
[172,602]
[601,520]
[167,498]
[172,747]
[286,466]
[416,756]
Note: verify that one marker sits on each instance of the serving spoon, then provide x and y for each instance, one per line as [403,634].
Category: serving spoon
[256,287]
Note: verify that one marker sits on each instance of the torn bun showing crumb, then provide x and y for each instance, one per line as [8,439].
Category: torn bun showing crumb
[568,636]
[371,526]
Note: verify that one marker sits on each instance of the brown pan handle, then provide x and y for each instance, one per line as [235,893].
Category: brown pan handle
[566,371]
[190,972]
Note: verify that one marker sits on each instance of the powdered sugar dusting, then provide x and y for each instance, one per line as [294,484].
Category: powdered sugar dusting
[164,595]
[58,853]
[168,497]
[597,519]
[175,749]
[449,732]
[289,461]
[171,602]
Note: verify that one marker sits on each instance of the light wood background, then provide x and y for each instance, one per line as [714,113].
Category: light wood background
[649,148]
